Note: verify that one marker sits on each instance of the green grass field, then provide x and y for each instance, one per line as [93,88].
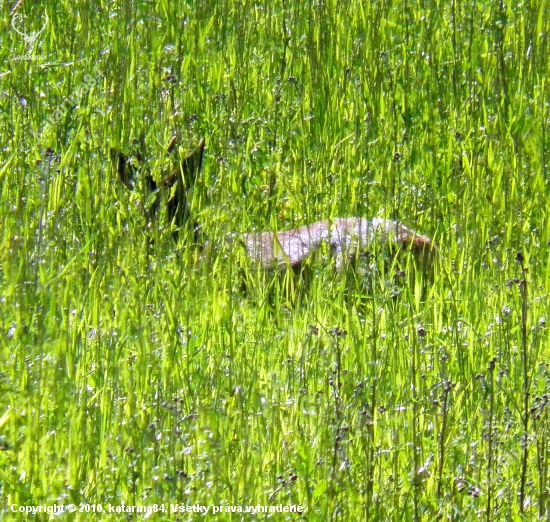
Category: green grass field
[132,372]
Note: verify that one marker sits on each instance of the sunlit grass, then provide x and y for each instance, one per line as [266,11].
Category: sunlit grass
[134,370]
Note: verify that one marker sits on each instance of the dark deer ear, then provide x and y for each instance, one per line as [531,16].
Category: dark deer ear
[125,170]
[183,177]
[191,165]
[173,142]
[189,168]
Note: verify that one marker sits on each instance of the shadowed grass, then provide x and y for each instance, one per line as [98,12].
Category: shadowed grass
[133,372]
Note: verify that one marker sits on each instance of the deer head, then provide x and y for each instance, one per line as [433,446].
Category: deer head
[176,183]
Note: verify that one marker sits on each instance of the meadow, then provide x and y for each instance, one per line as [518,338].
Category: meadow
[134,372]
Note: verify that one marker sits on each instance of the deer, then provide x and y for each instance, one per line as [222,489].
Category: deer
[178,182]
[347,239]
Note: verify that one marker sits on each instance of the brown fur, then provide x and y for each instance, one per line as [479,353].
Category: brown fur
[346,237]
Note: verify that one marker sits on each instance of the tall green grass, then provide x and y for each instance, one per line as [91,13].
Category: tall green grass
[133,371]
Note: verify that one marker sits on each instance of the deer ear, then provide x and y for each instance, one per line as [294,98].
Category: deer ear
[125,170]
[192,164]
[173,142]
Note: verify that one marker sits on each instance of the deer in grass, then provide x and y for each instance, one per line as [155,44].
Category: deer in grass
[346,238]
